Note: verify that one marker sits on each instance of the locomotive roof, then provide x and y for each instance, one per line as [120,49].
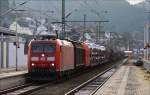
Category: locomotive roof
[64,43]
[60,42]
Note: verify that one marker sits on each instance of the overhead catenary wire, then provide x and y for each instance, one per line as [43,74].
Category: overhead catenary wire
[92,10]
[12,9]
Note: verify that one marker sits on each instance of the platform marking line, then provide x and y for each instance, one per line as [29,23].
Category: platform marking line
[112,85]
[121,89]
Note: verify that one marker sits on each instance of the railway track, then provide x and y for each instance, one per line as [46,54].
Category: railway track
[24,89]
[92,85]
[33,87]
[62,87]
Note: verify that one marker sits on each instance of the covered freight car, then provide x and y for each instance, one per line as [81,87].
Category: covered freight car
[79,55]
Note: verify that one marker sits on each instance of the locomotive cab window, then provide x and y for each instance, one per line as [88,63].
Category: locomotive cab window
[42,48]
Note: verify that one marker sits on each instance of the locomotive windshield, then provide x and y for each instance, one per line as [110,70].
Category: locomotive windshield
[42,48]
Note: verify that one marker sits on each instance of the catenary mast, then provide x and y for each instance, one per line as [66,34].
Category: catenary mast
[147,29]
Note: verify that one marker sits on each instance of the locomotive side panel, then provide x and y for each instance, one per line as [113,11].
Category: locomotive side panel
[67,58]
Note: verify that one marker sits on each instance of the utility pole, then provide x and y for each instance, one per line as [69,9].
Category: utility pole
[147,29]
[110,39]
[84,26]
[2,50]
[16,43]
[128,48]
[63,20]
[17,38]
[81,21]
[99,30]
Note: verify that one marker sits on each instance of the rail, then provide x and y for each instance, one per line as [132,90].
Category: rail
[92,85]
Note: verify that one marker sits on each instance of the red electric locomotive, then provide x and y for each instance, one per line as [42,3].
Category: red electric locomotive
[42,57]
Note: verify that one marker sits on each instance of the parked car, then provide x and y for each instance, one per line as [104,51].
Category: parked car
[139,62]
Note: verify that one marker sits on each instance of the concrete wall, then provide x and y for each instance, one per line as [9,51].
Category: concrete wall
[8,55]
[4,54]
[22,59]
[0,55]
[146,65]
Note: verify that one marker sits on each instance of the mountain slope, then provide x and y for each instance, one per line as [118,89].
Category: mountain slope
[121,15]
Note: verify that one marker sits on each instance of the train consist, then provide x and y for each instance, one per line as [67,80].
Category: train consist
[54,58]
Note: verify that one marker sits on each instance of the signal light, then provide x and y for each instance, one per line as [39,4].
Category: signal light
[16,44]
[53,64]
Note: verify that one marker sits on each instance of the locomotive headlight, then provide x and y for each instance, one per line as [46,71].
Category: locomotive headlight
[50,58]
[33,64]
[43,55]
[34,59]
[53,64]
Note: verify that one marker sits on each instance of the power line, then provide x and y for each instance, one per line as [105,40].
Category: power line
[45,13]
[90,8]
[8,11]
[97,3]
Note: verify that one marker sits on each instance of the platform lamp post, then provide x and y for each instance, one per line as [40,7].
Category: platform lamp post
[17,40]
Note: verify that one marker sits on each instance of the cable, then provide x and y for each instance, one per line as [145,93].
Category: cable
[8,11]
[44,13]
[90,8]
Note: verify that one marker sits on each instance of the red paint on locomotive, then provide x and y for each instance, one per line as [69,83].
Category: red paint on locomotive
[87,54]
[43,55]
[50,55]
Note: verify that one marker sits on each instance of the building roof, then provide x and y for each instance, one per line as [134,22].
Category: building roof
[6,31]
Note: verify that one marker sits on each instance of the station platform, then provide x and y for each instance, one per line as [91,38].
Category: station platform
[127,80]
[10,72]
[146,64]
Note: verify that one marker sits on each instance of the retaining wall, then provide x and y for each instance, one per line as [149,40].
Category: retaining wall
[146,65]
